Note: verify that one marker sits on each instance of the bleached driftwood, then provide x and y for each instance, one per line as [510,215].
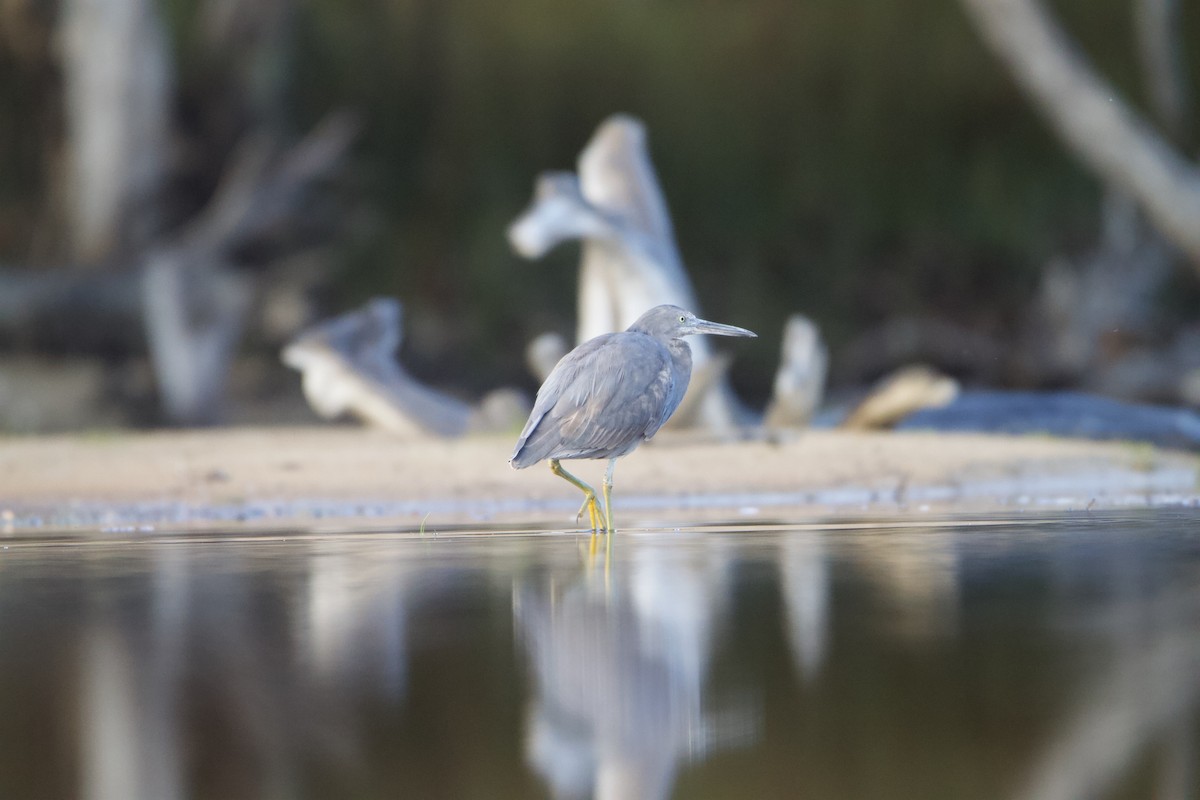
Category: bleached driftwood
[800,380]
[900,394]
[630,260]
[349,367]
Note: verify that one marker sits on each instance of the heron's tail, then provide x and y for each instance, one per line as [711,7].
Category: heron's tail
[532,448]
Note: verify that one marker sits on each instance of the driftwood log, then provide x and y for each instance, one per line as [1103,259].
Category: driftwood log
[350,369]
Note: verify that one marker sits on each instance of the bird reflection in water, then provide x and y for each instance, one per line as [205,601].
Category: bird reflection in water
[620,657]
[1046,662]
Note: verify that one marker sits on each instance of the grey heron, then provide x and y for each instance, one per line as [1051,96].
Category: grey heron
[610,394]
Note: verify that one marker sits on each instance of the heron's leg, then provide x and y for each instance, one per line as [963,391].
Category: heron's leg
[607,486]
[588,492]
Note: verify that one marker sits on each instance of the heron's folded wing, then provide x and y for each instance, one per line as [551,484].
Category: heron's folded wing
[603,395]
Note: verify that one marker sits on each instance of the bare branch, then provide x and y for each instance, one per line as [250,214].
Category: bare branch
[263,198]
[1097,125]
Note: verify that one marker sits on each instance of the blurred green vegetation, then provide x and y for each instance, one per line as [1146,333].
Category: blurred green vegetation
[852,161]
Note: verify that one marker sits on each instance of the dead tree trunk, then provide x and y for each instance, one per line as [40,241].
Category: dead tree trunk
[118,85]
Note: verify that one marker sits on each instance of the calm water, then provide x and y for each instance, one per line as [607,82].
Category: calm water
[1048,658]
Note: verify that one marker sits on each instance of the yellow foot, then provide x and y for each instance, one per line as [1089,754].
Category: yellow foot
[594,518]
[597,519]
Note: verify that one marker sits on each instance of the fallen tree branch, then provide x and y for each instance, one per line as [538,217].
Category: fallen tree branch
[198,290]
[350,369]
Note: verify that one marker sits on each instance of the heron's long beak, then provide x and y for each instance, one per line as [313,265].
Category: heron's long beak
[717,329]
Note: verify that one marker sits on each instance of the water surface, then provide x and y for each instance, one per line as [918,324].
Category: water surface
[1048,657]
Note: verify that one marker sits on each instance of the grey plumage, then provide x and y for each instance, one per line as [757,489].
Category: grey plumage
[581,413]
[615,391]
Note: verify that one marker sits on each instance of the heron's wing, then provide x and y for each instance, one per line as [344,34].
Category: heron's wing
[602,397]
[616,175]
[550,392]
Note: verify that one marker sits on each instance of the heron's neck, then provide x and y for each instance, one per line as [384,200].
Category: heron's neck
[681,359]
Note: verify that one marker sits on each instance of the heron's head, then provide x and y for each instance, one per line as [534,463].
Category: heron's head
[673,322]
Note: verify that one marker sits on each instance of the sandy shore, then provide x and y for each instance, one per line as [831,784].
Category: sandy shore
[350,477]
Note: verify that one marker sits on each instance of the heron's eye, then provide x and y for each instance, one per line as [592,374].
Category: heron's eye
[683,319]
